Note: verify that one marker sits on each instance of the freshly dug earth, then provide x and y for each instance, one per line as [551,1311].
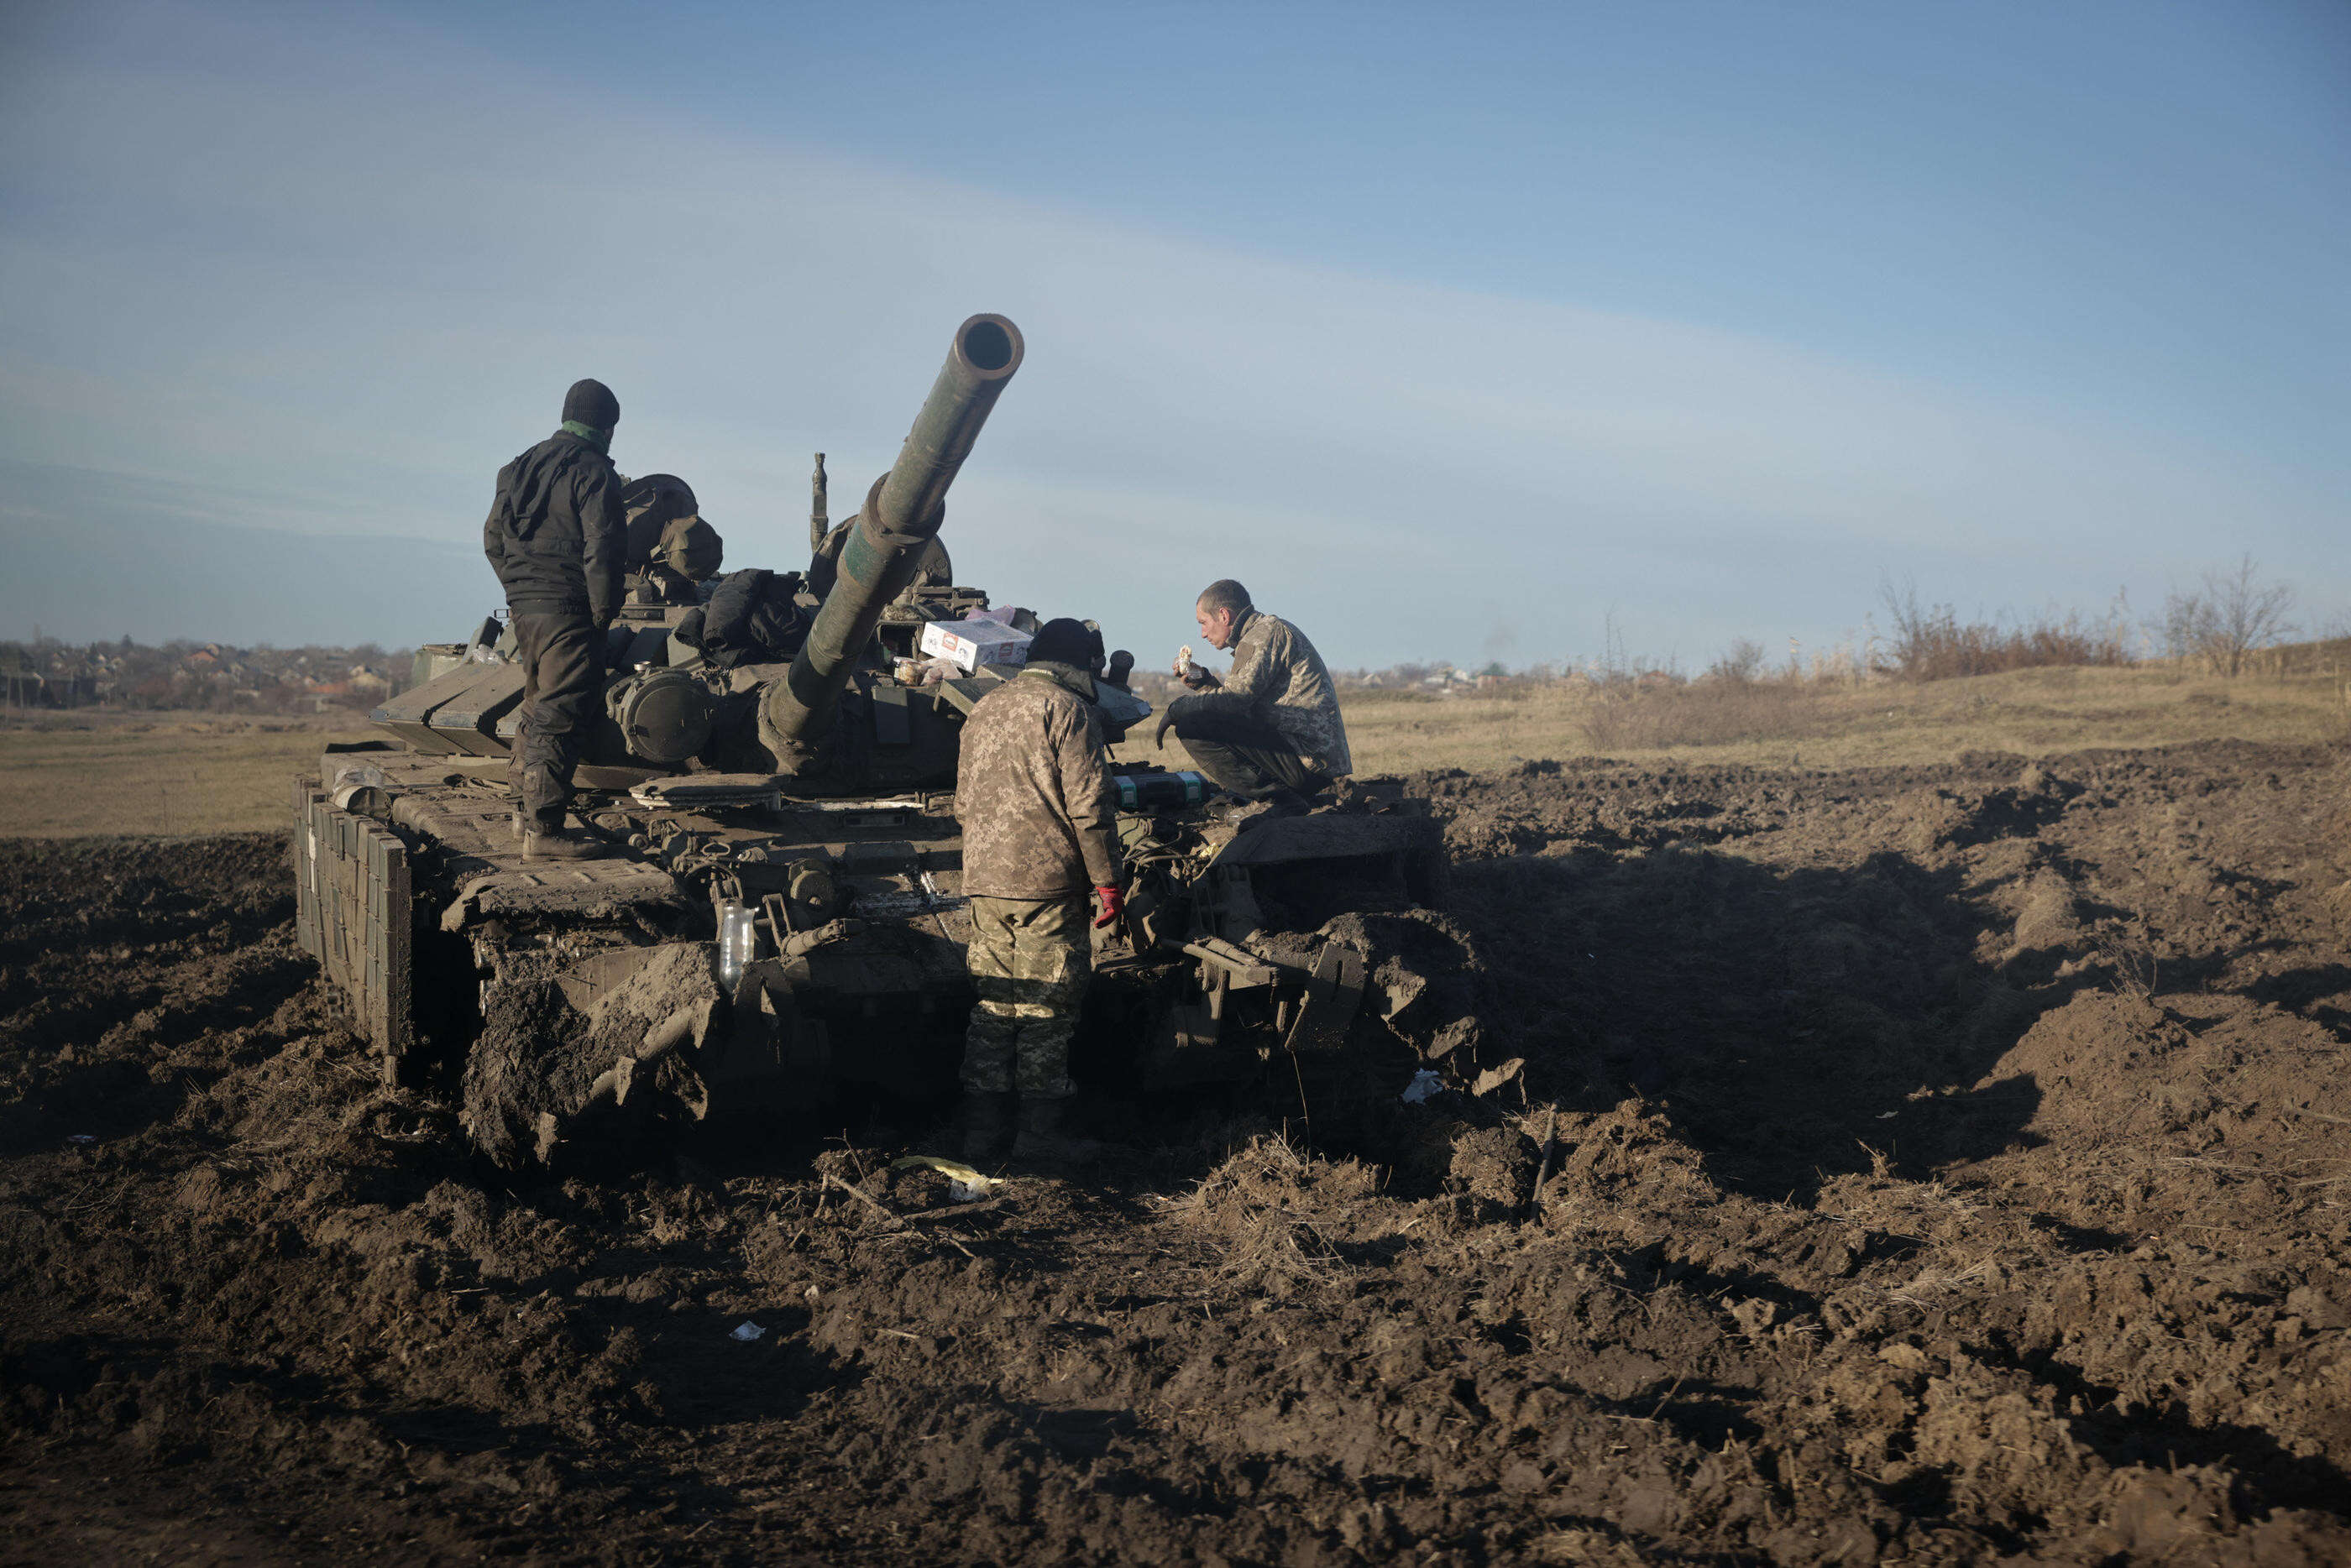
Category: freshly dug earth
[1951,1166]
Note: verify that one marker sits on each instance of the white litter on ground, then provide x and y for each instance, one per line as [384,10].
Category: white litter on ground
[964,1185]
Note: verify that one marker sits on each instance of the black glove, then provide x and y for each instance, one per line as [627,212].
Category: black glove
[1211,707]
[1177,712]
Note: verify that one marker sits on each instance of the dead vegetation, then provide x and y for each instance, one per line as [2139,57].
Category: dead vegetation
[1713,711]
[1929,683]
[1267,1209]
[2230,616]
[66,774]
[1843,717]
[1929,642]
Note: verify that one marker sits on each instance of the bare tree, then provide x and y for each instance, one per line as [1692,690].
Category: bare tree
[2234,614]
[1741,663]
[2182,629]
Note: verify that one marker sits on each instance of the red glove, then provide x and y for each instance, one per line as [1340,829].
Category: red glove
[1114,905]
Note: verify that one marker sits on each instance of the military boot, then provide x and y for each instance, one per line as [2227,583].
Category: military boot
[560,843]
[1284,803]
[986,1121]
[1045,1141]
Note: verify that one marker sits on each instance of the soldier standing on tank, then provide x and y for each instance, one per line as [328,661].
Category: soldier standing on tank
[1270,729]
[558,537]
[1039,822]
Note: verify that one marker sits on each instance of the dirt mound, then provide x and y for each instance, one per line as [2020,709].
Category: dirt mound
[1943,1165]
[541,1061]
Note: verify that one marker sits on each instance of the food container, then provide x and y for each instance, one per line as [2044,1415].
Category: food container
[972,643]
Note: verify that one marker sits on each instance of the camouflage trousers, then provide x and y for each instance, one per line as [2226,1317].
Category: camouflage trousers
[1031,960]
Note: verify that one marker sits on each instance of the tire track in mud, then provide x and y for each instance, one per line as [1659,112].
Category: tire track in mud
[1951,1170]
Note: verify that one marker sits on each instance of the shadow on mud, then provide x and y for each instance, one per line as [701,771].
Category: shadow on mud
[1797,1025]
[106,1081]
[2313,991]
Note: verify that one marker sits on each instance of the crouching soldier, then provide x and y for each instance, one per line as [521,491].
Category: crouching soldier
[1039,826]
[1270,729]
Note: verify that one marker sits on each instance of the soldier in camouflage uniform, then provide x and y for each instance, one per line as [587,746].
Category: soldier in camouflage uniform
[1039,824]
[1269,730]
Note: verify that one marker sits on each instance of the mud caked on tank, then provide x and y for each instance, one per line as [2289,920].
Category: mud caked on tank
[779,913]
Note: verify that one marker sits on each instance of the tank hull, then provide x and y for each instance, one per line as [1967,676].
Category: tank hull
[1257,955]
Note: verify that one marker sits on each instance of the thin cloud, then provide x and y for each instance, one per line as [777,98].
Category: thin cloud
[338,312]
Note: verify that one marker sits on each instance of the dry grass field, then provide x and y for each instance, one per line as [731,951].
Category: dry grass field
[2031,712]
[63,775]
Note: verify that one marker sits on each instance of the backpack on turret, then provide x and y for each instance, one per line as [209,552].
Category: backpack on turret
[752,618]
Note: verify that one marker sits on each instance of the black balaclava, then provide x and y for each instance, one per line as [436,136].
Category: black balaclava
[592,403]
[1062,641]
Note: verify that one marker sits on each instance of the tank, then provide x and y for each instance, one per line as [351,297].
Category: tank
[778,922]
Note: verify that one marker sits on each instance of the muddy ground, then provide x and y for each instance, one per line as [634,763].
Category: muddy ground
[1955,1169]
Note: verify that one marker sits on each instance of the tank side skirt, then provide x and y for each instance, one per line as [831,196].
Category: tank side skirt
[354,913]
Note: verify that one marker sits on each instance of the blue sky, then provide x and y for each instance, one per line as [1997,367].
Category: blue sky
[1452,331]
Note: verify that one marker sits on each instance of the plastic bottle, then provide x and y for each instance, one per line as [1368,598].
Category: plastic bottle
[739,942]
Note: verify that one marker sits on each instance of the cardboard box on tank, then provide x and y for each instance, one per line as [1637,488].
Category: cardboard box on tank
[971,644]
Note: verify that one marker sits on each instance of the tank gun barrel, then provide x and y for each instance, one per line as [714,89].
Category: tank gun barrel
[901,516]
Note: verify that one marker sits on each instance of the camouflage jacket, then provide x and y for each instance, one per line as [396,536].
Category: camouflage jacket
[1274,663]
[1033,792]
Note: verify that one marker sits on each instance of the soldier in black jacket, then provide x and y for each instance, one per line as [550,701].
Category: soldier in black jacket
[558,537]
